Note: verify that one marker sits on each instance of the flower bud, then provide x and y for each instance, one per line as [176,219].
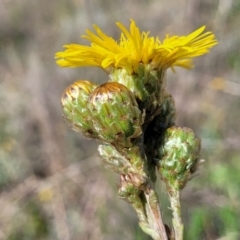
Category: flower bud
[178,155]
[146,84]
[115,112]
[114,160]
[74,103]
[129,189]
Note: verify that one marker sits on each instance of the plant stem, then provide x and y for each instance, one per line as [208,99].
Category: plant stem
[154,214]
[176,211]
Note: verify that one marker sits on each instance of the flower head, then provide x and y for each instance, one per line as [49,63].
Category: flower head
[115,113]
[134,48]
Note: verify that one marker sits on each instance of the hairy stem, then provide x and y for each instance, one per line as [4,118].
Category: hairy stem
[176,211]
[154,214]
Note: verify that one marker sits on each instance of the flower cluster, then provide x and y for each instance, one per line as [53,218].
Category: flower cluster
[133,115]
[132,112]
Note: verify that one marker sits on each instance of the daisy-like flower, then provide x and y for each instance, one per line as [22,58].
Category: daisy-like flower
[134,48]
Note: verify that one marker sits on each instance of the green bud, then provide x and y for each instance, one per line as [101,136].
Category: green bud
[114,160]
[116,115]
[130,160]
[74,104]
[178,156]
[128,189]
[146,84]
[131,192]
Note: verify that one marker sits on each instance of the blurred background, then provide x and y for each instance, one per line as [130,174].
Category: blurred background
[52,182]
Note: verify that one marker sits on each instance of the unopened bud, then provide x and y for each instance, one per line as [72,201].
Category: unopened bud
[74,103]
[178,156]
[115,112]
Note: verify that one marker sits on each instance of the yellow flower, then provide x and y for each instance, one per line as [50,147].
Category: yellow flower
[134,48]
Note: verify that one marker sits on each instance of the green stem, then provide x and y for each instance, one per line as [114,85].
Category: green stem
[146,203]
[176,211]
[155,225]
[154,214]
